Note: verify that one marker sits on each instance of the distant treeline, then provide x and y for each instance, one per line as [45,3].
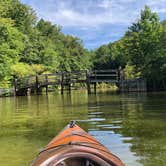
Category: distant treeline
[29,46]
[141,52]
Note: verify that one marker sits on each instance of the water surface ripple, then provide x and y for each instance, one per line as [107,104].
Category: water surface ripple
[132,126]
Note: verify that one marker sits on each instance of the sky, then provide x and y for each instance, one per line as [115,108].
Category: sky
[95,22]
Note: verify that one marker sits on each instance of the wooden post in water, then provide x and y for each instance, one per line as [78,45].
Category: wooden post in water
[46,77]
[138,82]
[62,82]
[69,87]
[88,82]
[15,86]
[145,84]
[37,84]
[95,87]
[69,82]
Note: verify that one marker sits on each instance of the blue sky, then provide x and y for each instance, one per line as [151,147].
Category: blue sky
[96,22]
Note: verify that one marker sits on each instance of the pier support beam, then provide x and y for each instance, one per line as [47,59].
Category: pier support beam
[15,86]
[88,82]
[95,87]
[46,77]
[69,87]
[37,85]
[62,83]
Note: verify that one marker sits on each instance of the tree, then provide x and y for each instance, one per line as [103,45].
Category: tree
[143,45]
[11,45]
[23,16]
[72,55]
[110,56]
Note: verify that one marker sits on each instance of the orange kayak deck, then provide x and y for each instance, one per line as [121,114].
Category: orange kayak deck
[74,142]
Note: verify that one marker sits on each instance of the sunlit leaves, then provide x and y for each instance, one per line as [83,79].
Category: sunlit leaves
[29,47]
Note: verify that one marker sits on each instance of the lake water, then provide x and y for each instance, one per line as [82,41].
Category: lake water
[132,126]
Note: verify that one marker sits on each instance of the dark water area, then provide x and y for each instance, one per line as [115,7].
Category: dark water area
[132,126]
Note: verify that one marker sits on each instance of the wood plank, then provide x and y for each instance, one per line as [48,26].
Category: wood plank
[97,80]
[104,75]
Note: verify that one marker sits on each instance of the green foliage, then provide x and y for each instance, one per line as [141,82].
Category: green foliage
[73,56]
[130,72]
[23,15]
[20,70]
[102,57]
[48,30]
[39,69]
[11,44]
[118,53]
[111,56]
[145,45]
[5,7]
[142,40]
[141,51]
[28,47]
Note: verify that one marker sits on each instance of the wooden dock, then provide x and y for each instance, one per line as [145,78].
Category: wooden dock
[67,80]
[133,85]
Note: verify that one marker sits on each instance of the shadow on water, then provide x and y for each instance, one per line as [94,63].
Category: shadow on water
[131,125]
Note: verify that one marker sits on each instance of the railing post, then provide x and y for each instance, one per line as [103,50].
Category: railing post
[62,82]
[37,84]
[95,75]
[15,86]
[88,82]
[46,77]
[119,74]
[69,82]
[95,87]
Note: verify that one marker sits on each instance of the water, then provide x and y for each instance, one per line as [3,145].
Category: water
[132,126]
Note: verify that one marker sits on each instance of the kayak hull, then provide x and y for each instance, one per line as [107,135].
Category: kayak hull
[74,143]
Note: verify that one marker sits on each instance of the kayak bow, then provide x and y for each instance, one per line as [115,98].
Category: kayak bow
[74,147]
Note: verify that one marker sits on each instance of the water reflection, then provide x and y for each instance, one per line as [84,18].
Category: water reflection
[131,125]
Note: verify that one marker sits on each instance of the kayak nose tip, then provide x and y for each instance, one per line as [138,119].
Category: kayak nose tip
[72,123]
